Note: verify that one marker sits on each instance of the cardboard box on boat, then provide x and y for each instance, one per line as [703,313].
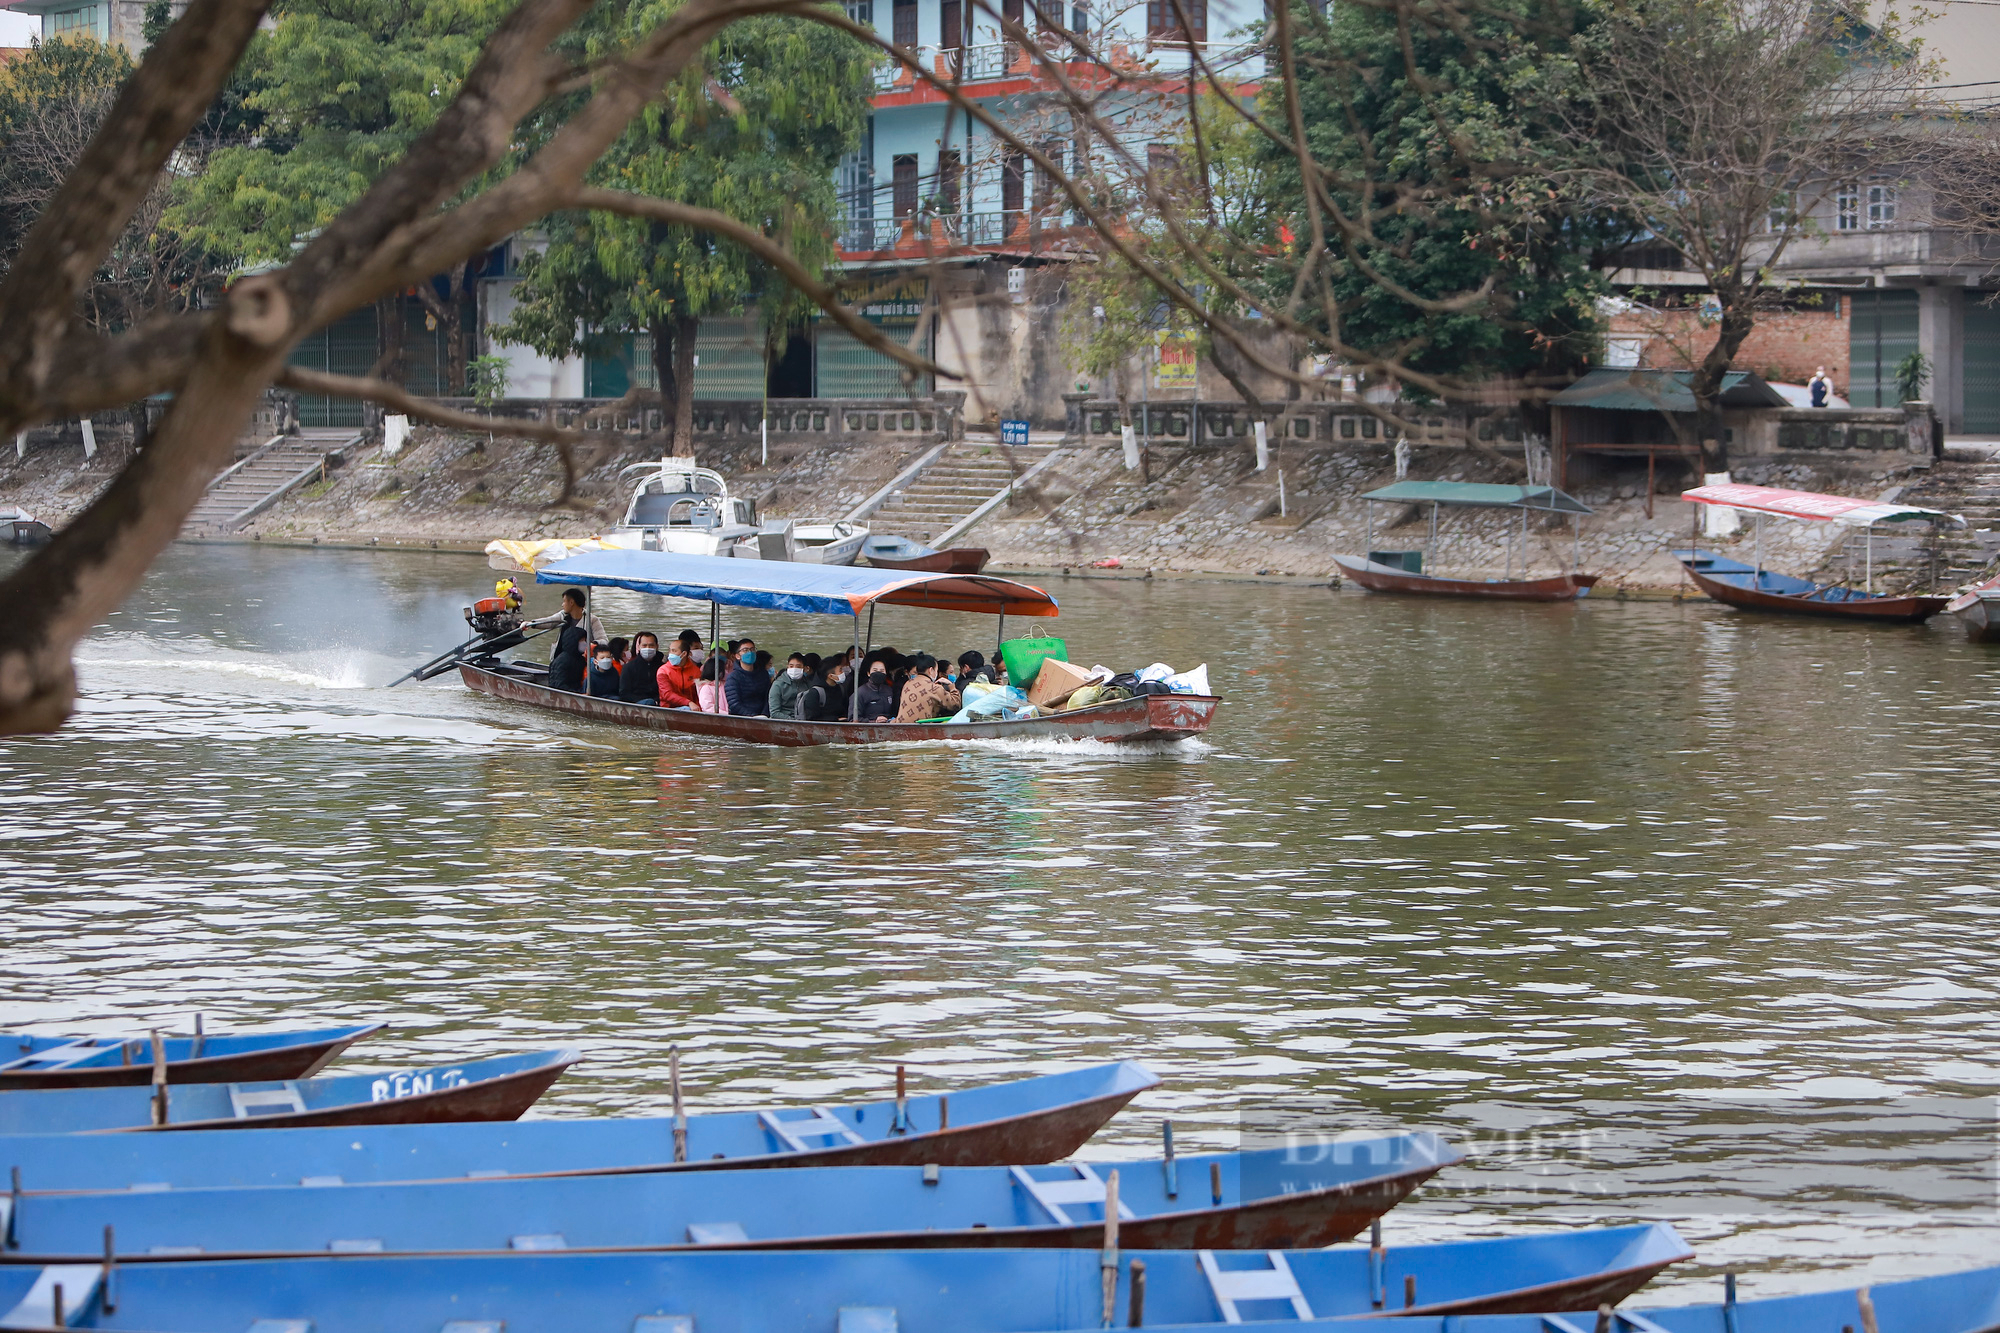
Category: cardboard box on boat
[1056,680]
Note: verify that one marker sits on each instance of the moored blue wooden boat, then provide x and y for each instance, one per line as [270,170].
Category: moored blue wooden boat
[1026,1121]
[967,1291]
[1259,1200]
[496,1089]
[31,1061]
[1962,1302]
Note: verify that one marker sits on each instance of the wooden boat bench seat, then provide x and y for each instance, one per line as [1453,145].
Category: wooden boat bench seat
[249,1102]
[1275,1282]
[1084,1187]
[820,1124]
[59,1057]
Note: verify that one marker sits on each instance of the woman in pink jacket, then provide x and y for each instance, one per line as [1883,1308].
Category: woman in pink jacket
[709,688]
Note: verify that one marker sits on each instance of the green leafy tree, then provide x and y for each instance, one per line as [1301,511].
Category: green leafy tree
[1451,250]
[756,132]
[341,89]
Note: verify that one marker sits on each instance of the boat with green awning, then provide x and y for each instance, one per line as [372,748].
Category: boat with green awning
[1410,572]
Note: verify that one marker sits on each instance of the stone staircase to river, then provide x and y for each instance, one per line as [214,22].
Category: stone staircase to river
[1924,559]
[967,475]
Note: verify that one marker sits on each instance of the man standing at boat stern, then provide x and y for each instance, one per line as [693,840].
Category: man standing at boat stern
[747,689]
[570,659]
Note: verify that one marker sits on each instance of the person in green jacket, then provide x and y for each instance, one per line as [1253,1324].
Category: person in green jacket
[785,689]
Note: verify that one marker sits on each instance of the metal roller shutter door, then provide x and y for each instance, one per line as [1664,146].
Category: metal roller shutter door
[1981,368]
[1881,331]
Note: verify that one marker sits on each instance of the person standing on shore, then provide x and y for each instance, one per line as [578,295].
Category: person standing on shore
[1819,387]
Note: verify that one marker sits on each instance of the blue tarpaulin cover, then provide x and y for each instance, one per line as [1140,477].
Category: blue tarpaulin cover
[783,585]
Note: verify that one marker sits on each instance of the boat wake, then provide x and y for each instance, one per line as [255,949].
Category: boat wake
[347,675]
[1075,747]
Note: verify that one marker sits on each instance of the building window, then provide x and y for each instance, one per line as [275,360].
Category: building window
[1847,207]
[1013,179]
[1163,20]
[903,184]
[1045,181]
[949,36]
[1079,20]
[905,23]
[73,20]
[1779,216]
[862,12]
[1881,205]
[1012,12]
[949,171]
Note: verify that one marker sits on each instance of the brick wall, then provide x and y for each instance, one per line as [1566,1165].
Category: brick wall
[1785,345]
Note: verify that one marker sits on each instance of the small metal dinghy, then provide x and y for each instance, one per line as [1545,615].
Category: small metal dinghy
[903,553]
[30,1061]
[968,1291]
[18,527]
[496,1089]
[1000,1124]
[1256,1200]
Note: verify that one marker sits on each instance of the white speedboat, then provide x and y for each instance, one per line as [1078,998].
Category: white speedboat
[685,509]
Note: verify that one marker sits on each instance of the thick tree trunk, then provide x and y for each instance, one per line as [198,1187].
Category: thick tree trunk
[390,342]
[92,565]
[685,329]
[1706,383]
[665,373]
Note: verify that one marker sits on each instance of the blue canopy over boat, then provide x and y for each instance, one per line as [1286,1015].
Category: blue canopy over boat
[83,1110]
[1037,1119]
[967,1291]
[783,585]
[1962,1302]
[1329,1198]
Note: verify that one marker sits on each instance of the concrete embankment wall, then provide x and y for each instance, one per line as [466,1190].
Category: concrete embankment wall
[1193,509]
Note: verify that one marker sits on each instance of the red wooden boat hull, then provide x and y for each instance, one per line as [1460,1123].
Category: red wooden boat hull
[506,1097]
[1148,717]
[958,560]
[1381,578]
[284,1062]
[1908,610]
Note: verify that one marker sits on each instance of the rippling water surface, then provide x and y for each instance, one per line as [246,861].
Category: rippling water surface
[1534,876]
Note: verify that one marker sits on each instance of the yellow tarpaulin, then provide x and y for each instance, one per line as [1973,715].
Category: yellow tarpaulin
[527,557]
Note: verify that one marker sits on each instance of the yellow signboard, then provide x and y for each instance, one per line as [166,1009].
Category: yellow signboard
[1175,366]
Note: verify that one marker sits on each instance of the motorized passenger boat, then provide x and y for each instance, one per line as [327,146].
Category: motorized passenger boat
[1751,587]
[1022,1122]
[903,553]
[497,1089]
[783,586]
[1405,571]
[969,1291]
[30,1061]
[1257,1200]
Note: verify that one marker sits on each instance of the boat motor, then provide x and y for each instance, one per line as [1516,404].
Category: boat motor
[496,627]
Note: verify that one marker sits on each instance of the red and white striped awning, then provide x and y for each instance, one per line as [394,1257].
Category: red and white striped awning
[1813,506]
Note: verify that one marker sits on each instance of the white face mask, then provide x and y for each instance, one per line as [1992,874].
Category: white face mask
[604,664]
[700,655]
[796,673]
[673,659]
[649,653]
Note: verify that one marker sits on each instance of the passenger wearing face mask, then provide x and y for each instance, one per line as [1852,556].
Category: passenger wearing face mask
[747,688]
[603,682]
[784,698]
[835,686]
[876,696]
[679,680]
[708,690]
[692,647]
[639,677]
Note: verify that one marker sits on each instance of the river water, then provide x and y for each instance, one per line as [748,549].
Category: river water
[1571,884]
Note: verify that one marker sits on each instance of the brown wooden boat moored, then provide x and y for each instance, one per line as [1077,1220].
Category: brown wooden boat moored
[1387,578]
[31,1062]
[1748,588]
[957,560]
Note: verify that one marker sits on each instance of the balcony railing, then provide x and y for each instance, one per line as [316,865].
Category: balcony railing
[1017,226]
[1003,60]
